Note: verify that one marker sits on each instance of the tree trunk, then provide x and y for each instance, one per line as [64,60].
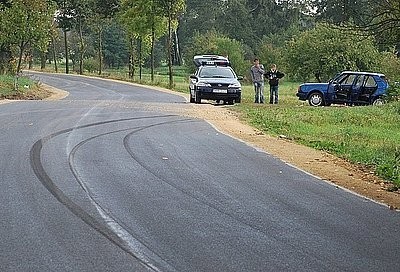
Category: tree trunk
[66,53]
[81,47]
[153,38]
[177,51]
[169,45]
[5,59]
[100,50]
[21,53]
[30,60]
[131,59]
[43,58]
[54,54]
[140,59]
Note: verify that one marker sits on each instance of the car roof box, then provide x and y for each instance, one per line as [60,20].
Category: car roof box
[201,60]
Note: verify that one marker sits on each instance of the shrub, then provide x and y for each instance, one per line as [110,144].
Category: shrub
[213,42]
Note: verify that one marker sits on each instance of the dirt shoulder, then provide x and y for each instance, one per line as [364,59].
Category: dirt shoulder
[329,168]
[321,164]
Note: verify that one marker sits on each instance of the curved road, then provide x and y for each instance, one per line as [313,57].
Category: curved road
[112,178]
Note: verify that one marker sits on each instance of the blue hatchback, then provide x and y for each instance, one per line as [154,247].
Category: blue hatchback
[348,87]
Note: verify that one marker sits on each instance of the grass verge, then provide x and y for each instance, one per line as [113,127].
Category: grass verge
[364,135]
[12,87]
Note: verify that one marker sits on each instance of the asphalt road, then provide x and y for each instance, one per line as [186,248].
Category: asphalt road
[108,180]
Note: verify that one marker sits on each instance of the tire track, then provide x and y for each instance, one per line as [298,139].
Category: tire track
[112,230]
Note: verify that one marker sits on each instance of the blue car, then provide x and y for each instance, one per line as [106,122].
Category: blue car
[348,87]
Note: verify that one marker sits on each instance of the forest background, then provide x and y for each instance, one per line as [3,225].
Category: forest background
[308,39]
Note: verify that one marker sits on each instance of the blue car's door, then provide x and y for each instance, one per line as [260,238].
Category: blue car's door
[367,90]
[343,92]
[357,88]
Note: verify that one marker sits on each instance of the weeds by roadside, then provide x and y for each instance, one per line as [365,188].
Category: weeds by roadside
[20,88]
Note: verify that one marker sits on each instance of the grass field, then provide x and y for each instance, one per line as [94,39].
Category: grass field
[367,135]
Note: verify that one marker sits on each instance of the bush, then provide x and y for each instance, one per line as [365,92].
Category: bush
[213,42]
[394,91]
[325,50]
[91,65]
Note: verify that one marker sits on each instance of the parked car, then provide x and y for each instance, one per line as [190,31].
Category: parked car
[214,79]
[348,87]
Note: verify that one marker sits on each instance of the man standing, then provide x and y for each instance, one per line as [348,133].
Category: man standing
[273,78]
[257,76]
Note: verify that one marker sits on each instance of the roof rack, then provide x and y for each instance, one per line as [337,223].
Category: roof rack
[210,60]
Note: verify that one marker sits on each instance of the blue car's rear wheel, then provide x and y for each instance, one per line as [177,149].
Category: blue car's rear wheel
[378,102]
[316,99]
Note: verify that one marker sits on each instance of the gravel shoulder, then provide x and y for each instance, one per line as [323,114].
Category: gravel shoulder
[329,168]
[318,163]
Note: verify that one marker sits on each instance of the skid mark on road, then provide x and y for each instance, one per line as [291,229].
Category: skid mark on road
[109,228]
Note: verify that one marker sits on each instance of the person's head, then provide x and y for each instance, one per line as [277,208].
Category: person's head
[273,67]
[256,61]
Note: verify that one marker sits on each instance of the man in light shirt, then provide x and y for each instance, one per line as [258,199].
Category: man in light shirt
[257,76]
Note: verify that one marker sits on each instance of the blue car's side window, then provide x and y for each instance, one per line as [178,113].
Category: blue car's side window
[349,80]
[370,82]
[359,82]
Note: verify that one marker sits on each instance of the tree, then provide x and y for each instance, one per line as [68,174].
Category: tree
[143,20]
[213,42]
[385,22]
[5,42]
[101,15]
[244,20]
[82,11]
[115,49]
[171,9]
[25,23]
[237,22]
[378,18]
[272,47]
[134,20]
[65,18]
[340,12]
[326,50]
[200,16]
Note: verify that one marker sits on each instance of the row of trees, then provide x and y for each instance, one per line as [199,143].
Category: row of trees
[309,38]
[32,24]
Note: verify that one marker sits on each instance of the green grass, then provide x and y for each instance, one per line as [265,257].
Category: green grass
[365,135]
[8,85]
[181,78]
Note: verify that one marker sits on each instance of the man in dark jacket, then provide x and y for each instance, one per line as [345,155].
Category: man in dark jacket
[273,78]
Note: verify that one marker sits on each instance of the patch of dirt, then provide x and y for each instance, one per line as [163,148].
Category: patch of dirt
[321,164]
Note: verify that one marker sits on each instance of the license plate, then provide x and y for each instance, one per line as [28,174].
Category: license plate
[220,91]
